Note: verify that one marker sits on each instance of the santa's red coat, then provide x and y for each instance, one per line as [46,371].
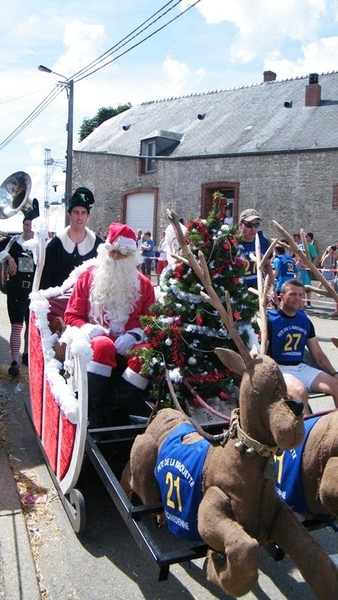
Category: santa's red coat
[105,357]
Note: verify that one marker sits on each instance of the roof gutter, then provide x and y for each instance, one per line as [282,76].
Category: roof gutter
[208,156]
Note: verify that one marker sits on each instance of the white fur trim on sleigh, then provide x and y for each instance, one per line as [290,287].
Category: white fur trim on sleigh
[78,344]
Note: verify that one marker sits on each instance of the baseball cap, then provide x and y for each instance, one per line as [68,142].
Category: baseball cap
[250,214]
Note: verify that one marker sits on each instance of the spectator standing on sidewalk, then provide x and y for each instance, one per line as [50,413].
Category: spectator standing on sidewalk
[147,253]
[162,257]
[139,238]
[283,267]
[304,275]
[312,242]
[328,266]
[313,255]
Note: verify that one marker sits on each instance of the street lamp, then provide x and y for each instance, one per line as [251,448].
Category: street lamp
[69,87]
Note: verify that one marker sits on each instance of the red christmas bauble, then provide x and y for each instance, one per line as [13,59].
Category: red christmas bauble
[179,268]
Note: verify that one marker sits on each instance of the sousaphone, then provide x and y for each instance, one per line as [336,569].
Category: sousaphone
[14,195]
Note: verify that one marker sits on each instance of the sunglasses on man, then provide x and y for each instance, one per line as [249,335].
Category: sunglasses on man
[251,225]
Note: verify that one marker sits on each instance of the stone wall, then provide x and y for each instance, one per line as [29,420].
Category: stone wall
[296,188]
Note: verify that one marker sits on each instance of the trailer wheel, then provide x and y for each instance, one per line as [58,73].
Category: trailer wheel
[77,510]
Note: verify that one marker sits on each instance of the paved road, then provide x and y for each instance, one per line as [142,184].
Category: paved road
[104,562]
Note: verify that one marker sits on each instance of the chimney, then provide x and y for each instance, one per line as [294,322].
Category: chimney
[313,91]
[269,76]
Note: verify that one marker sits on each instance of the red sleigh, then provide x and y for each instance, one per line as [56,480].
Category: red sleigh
[58,411]
[58,392]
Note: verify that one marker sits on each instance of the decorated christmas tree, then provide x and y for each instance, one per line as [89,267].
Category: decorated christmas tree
[184,329]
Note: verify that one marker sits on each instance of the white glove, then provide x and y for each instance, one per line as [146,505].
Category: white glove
[124,342]
[93,330]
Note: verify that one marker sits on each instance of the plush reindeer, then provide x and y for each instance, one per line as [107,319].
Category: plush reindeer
[315,464]
[307,476]
[236,508]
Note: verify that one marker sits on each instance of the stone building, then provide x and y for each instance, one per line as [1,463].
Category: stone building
[272,146]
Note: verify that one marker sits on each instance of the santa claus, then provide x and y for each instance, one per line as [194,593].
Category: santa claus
[107,302]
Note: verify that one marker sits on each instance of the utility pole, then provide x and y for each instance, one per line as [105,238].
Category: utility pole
[68,85]
[50,166]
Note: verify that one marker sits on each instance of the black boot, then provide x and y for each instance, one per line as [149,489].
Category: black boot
[98,388]
[125,399]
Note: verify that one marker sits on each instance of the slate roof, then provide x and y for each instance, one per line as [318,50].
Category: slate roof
[241,120]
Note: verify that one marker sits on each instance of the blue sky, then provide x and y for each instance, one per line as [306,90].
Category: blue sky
[215,45]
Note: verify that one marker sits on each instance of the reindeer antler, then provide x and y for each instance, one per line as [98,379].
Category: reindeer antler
[201,269]
[262,287]
[317,274]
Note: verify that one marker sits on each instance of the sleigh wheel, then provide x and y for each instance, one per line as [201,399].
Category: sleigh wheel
[77,510]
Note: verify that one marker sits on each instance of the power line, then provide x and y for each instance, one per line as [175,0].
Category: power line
[33,115]
[90,70]
[143,40]
[47,87]
[127,38]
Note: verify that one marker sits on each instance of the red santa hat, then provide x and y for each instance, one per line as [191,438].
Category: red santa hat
[120,236]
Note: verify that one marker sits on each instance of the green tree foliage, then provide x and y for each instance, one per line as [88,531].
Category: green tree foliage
[184,328]
[104,113]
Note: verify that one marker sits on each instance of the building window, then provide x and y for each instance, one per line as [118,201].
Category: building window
[230,191]
[159,143]
[151,152]
[148,149]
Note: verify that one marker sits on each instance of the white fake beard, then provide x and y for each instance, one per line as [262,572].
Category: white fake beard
[114,292]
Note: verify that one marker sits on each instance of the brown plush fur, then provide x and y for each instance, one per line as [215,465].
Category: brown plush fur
[320,467]
[240,509]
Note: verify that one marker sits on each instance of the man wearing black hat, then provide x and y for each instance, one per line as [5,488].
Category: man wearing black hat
[74,245]
[20,268]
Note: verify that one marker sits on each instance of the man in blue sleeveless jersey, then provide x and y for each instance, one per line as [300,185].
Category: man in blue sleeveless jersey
[289,331]
[248,226]
[283,267]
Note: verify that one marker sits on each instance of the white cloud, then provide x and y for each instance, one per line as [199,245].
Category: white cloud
[315,55]
[83,44]
[263,24]
[37,153]
[176,71]
[35,140]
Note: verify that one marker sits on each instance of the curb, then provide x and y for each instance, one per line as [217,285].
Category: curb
[17,568]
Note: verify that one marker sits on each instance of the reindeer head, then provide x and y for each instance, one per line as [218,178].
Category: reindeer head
[266,413]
